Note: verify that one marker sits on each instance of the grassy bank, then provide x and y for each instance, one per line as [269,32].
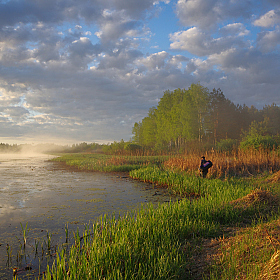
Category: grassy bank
[107,163]
[170,241]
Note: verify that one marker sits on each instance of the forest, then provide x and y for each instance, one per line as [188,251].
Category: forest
[193,119]
[195,116]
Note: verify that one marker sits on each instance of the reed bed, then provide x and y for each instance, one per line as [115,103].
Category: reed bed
[155,243]
[108,163]
[237,163]
[151,243]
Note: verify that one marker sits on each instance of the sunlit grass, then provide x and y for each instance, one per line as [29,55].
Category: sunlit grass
[253,253]
[107,163]
[156,243]
[148,244]
[236,163]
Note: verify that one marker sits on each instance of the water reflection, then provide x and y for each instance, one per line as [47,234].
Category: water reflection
[47,197]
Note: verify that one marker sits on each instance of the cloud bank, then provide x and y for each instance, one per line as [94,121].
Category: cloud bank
[88,70]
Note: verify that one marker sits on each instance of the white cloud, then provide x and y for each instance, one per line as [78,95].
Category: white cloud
[235,29]
[201,43]
[249,66]
[269,40]
[208,13]
[200,12]
[115,25]
[58,79]
[154,61]
[269,19]
[15,113]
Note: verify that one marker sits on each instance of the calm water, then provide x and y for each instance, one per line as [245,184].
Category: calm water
[46,197]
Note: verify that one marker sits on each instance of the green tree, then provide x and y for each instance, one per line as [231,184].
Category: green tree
[194,114]
[258,136]
[199,110]
[272,113]
[163,120]
[137,134]
[226,120]
[181,116]
[149,129]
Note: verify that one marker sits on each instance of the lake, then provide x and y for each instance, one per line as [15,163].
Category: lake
[43,200]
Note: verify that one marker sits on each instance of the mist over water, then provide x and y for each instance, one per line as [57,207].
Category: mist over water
[41,193]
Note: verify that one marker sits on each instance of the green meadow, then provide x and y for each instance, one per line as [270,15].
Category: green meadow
[109,163]
[221,228]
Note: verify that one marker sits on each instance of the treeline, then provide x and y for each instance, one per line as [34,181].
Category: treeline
[7,148]
[50,148]
[31,148]
[115,147]
[196,116]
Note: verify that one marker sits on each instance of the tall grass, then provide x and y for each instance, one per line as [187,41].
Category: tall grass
[149,244]
[154,243]
[107,163]
[237,163]
[182,184]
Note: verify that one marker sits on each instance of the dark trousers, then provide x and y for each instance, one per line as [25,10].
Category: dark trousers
[204,173]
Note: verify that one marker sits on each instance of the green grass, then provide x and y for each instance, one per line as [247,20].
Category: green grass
[107,163]
[185,184]
[154,243]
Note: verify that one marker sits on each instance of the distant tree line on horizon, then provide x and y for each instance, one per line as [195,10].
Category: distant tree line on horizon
[50,148]
[7,148]
[184,117]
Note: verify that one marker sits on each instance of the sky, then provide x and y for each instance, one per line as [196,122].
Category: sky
[85,71]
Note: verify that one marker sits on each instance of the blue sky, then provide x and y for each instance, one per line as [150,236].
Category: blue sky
[74,71]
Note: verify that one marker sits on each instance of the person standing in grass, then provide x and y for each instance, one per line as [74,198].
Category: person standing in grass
[204,166]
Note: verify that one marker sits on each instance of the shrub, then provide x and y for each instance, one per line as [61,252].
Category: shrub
[258,142]
[130,147]
[226,145]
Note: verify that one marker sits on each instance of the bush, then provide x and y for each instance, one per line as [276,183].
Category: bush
[130,147]
[226,145]
[259,142]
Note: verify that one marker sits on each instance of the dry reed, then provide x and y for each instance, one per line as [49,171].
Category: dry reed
[256,197]
[251,253]
[237,163]
[271,269]
[276,177]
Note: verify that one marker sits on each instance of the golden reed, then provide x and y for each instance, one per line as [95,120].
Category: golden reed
[237,163]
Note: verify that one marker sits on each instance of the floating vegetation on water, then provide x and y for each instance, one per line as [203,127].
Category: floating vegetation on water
[87,200]
[24,233]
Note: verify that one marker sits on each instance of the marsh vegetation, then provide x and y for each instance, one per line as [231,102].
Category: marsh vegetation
[41,199]
[224,227]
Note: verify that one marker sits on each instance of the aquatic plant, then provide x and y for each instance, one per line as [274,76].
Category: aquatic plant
[150,243]
[159,243]
[24,233]
[106,163]
[66,233]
